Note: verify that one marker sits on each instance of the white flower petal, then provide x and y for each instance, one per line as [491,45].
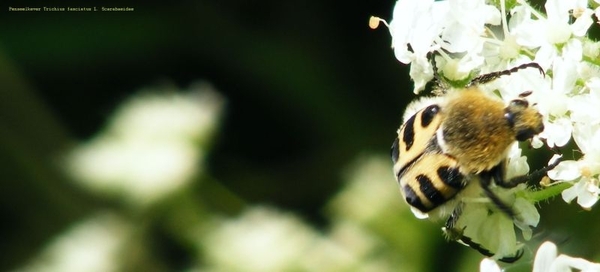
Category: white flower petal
[528,216]
[497,234]
[517,164]
[544,55]
[565,71]
[589,196]
[466,24]
[528,34]
[489,265]
[565,263]
[586,137]
[418,214]
[536,142]
[557,32]
[421,72]
[527,211]
[584,108]
[557,133]
[583,23]
[417,23]
[544,257]
[565,170]
[573,51]
[573,192]
[401,25]
[558,10]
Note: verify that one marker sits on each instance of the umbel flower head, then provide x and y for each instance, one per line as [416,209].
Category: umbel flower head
[466,38]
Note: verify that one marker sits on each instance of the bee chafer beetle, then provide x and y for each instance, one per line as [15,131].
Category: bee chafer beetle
[445,142]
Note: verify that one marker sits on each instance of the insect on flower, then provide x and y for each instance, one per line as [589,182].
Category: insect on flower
[456,139]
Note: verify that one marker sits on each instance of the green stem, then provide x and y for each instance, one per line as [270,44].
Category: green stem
[547,192]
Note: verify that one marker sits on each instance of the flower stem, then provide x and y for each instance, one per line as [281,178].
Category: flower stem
[548,192]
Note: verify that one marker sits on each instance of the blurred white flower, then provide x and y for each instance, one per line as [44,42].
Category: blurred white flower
[151,147]
[261,239]
[169,115]
[347,247]
[92,245]
[368,181]
[548,260]
[367,209]
[264,239]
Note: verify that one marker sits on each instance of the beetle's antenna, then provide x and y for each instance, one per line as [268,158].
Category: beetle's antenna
[482,79]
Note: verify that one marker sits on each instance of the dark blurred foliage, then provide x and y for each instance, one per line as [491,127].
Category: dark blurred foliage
[309,87]
[308,84]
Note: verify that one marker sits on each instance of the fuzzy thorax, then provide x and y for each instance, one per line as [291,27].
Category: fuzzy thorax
[475,130]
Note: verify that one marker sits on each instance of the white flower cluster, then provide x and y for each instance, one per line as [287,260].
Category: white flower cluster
[151,147]
[265,239]
[472,37]
[363,213]
[93,245]
[476,37]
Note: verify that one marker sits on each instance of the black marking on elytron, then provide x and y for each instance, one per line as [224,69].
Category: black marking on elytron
[451,177]
[432,148]
[413,199]
[395,151]
[430,192]
[407,166]
[408,137]
[428,114]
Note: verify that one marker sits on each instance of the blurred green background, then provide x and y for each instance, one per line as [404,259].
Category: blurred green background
[309,90]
